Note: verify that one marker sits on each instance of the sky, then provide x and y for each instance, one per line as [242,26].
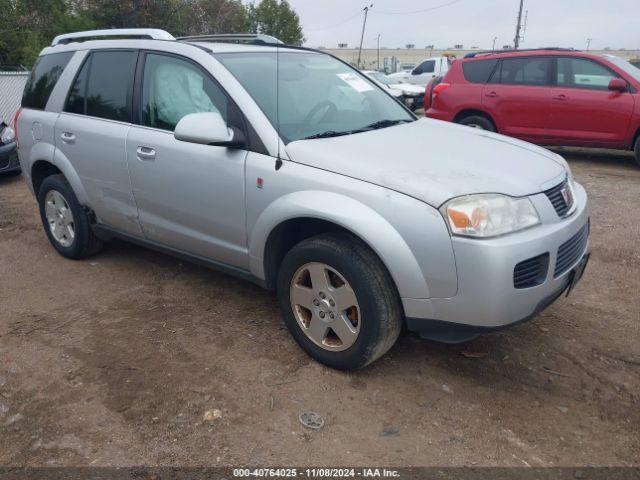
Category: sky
[444,23]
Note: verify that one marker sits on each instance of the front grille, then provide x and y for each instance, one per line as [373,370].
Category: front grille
[571,251]
[561,197]
[531,272]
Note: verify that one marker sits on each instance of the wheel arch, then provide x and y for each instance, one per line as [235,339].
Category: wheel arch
[299,215]
[635,138]
[467,112]
[40,170]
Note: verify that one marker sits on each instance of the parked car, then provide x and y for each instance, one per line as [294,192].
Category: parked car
[410,95]
[548,97]
[293,179]
[8,154]
[424,72]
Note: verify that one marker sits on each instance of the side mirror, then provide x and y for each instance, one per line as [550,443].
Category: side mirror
[208,128]
[617,85]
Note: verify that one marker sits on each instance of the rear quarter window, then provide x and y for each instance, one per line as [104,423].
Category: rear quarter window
[478,71]
[43,79]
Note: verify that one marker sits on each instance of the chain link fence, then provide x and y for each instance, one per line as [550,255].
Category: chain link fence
[11,87]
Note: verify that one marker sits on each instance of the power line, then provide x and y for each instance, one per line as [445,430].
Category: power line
[336,24]
[382,12]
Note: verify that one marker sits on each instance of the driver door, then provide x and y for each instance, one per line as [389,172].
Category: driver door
[423,73]
[190,197]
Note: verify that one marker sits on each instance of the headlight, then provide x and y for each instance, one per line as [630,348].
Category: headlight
[7,135]
[484,216]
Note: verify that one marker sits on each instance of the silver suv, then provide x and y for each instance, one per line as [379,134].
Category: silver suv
[287,167]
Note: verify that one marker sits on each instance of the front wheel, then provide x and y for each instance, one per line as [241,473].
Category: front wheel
[339,301]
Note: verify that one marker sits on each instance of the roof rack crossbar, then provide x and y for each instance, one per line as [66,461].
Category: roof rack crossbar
[151,33]
[511,50]
[251,38]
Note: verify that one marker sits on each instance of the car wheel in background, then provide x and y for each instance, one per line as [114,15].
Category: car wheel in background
[478,121]
[339,301]
[64,220]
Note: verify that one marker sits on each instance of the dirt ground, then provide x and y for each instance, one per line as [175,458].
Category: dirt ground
[115,360]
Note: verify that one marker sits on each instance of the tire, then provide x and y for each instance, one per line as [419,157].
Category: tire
[376,316]
[637,151]
[478,121]
[82,242]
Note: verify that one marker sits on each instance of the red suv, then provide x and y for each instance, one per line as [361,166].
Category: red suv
[548,97]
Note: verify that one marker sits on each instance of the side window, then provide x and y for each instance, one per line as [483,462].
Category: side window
[173,88]
[76,101]
[43,78]
[583,73]
[109,84]
[425,67]
[525,71]
[478,71]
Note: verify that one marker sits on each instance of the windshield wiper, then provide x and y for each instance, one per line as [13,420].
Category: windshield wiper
[327,134]
[384,124]
[368,128]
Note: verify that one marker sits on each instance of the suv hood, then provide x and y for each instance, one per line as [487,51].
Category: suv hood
[434,161]
[408,88]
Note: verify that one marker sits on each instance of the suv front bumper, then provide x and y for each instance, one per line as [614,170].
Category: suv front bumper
[487,298]
[9,158]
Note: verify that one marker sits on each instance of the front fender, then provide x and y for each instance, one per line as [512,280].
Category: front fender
[355,217]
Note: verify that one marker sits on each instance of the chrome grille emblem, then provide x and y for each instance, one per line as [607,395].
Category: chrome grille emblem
[567,195]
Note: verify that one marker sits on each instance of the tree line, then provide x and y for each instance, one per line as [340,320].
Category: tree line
[27,26]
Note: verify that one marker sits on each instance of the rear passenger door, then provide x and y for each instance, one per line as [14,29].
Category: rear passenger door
[190,197]
[92,130]
[518,96]
[584,110]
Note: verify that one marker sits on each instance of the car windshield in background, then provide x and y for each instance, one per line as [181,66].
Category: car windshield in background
[317,95]
[626,66]
[380,77]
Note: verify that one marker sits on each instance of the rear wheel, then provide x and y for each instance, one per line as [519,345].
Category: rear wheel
[64,220]
[479,122]
[637,150]
[338,301]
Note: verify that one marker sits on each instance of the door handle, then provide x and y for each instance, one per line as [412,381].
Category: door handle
[561,97]
[492,94]
[68,137]
[145,153]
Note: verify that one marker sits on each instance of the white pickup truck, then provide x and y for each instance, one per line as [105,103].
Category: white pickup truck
[424,72]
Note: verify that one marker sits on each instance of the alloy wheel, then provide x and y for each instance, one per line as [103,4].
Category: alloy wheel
[325,306]
[60,218]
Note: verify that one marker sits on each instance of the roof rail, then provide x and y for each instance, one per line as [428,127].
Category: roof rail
[251,38]
[152,33]
[511,50]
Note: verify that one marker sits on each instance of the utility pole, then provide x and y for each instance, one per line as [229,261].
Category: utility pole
[379,35]
[516,40]
[494,43]
[589,43]
[364,25]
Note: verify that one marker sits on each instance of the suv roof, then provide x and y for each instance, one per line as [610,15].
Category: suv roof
[549,51]
[218,43]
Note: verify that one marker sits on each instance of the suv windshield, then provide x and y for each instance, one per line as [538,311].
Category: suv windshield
[313,95]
